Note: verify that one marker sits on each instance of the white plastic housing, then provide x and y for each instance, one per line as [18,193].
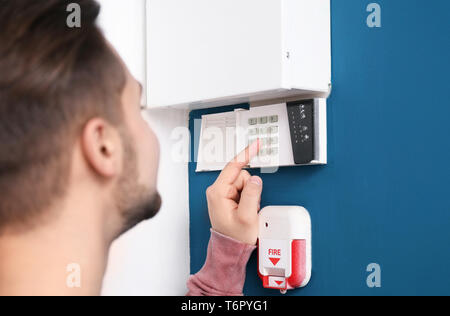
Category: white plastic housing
[278,227]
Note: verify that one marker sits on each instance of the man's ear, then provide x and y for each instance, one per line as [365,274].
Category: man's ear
[101,146]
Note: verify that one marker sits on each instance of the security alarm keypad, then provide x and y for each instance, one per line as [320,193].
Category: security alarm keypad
[290,134]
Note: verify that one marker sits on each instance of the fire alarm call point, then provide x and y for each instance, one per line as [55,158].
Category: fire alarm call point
[284,247]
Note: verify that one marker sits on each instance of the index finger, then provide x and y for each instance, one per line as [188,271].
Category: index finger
[231,171]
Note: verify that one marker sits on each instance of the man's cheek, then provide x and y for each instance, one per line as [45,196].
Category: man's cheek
[154,143]
[151,160]
[156,156]
[157,150]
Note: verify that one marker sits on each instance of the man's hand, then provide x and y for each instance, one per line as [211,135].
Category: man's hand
[233,200]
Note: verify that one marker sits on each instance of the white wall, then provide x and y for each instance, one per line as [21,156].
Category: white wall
[153,258]
[123,23]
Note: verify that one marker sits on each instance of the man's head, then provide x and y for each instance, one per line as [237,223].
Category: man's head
[70,121]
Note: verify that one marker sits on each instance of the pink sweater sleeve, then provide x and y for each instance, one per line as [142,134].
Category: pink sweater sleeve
[223,273]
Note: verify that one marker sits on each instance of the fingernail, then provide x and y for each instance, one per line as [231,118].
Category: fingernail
[256,180]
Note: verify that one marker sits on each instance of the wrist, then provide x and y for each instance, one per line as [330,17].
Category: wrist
[225,265]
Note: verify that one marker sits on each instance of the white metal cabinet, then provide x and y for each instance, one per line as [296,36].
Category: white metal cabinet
[203,53]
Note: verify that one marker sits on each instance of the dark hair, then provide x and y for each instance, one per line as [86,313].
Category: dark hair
[53,79]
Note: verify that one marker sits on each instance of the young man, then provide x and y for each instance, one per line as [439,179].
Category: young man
[78,164]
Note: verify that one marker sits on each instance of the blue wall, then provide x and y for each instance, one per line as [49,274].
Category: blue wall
[384,197]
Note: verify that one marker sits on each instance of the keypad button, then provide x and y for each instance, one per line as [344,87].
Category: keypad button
[252,121]
[274,130]
[253,131]
[275,151]
[273,119]
[263,120]
[263,130]
[273,140]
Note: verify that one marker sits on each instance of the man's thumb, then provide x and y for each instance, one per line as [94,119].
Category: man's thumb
[251,195]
